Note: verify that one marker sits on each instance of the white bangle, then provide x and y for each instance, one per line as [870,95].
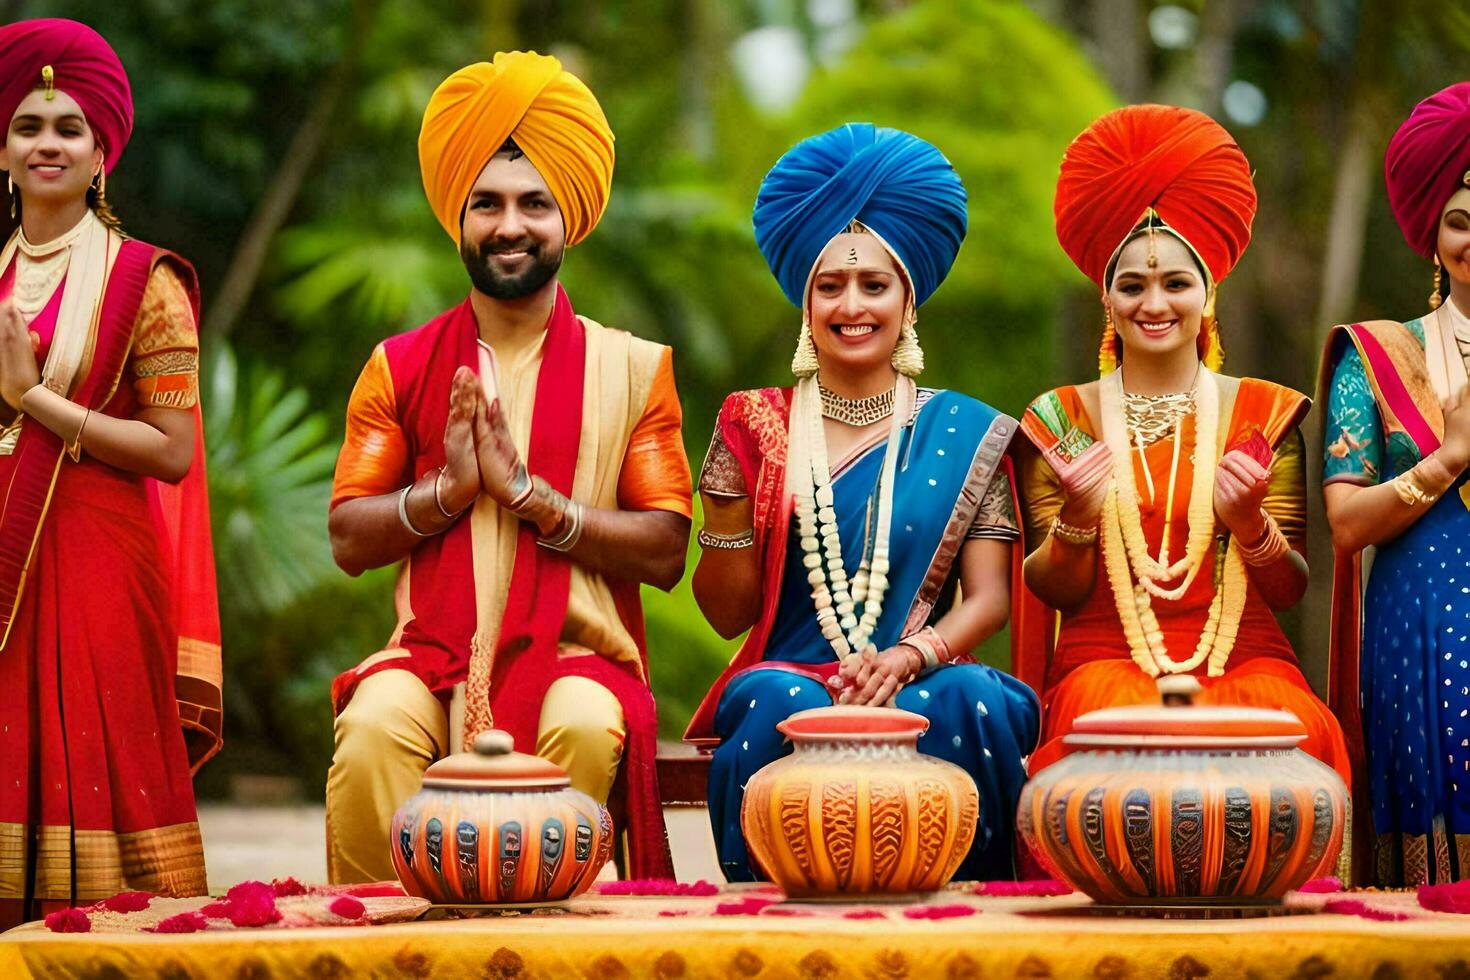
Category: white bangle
[403,512]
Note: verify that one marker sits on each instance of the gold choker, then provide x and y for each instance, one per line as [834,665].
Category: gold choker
[856,411]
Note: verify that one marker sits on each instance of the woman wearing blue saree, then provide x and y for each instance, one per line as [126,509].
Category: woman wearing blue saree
[1395,478]
[842,513]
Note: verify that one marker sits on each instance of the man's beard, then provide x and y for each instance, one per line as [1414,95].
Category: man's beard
[479,263]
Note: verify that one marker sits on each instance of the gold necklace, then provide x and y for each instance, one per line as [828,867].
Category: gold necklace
[856,411]
[40,268]
[1153,417]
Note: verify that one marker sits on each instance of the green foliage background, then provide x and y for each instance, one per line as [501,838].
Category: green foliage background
[226,90]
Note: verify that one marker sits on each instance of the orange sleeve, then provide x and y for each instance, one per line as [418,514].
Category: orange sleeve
[655,474]
[374,457]
[164,361]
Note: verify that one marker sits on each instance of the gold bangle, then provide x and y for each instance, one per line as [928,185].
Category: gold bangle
[1271,547]
[1409,490]
[74,448]
[1071,534]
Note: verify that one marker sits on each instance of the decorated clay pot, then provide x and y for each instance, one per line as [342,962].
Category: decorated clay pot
[497,826]
[855,809]
[1177,803]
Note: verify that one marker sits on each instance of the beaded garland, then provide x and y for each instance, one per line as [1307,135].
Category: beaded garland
[847,610]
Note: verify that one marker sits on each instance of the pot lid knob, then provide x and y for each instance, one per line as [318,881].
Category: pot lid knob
[494,741]
[1178,690]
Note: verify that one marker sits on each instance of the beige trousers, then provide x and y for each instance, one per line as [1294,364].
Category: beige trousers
[394,727]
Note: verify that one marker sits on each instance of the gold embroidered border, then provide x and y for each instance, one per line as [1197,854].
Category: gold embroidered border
[12,860]
[163,860]
[167,362]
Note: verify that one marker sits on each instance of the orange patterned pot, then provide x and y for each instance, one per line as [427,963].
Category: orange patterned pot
[1159,804]
[856,810]
[496,826]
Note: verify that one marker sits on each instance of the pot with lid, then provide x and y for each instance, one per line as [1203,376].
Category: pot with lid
[497,826]
[1176,802]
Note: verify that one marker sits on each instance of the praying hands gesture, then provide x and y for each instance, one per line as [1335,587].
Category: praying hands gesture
[875,678]
[1240,489]
[18,346]
[461,476]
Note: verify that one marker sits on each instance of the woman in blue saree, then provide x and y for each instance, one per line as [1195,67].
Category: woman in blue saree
[843,513]
[1397,447]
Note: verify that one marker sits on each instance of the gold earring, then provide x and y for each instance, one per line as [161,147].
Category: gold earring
[1434,298]
[908,356]
[804,364]
[1107,353]
[99,179]
[10,192]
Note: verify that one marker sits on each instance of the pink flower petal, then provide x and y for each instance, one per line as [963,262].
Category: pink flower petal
[69,920]
[347,907]
[181,923]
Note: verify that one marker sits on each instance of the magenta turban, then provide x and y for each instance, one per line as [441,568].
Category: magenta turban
[83,65]
[1428,159]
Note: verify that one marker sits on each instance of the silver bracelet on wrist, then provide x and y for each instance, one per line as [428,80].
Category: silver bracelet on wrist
[403,512]
[440,503]
[573,534]
[725,542]
[527,484]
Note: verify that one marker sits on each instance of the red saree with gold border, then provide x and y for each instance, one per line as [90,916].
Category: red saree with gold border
[111,654]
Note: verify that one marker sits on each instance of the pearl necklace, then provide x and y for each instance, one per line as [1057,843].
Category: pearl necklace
[846,614]
[856,411]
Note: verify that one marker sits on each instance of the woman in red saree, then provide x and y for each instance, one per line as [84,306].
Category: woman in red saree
[1165,503]
[109,633]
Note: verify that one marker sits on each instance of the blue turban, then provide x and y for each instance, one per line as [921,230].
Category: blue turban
[893,182]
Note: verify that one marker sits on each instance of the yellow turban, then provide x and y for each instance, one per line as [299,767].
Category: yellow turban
[554,118]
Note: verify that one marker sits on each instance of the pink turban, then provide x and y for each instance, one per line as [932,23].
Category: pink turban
[1428,159]
[82,64]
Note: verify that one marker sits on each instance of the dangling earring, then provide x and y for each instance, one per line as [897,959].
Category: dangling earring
[99,179]
[1434,298]
[804,364]
[1107,354]
[10,191]
[908,356]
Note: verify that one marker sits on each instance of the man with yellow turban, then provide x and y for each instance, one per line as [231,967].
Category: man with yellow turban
[527,467]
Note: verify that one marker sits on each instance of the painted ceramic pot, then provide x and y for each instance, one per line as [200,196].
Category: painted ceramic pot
[856,810]
[495,826]
[1178,803]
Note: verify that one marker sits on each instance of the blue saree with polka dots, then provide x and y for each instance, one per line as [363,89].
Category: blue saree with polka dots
[1413,670]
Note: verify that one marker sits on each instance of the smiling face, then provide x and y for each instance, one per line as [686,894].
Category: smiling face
[50,150]
[512,236]
[856,304]
[1157,310]
[1454,236]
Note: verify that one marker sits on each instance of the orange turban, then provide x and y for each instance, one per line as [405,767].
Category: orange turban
[554,118]
[1177,161]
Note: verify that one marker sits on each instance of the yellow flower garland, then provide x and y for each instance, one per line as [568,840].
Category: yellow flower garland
[1125,548]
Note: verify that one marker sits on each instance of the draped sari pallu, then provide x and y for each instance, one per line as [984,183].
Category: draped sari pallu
[449,629]
[1400,640]
[115,808]
[979,719]
[1080,658]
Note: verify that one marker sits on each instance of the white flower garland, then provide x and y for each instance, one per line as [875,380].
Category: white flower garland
[846,614]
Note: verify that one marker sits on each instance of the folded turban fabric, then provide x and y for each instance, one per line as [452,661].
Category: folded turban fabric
[83,65]
[554,118]
[893,182]
[1177,161]
[1428,159]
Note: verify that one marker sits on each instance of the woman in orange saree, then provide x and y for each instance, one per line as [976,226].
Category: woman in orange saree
[1165,503]
[109,632]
